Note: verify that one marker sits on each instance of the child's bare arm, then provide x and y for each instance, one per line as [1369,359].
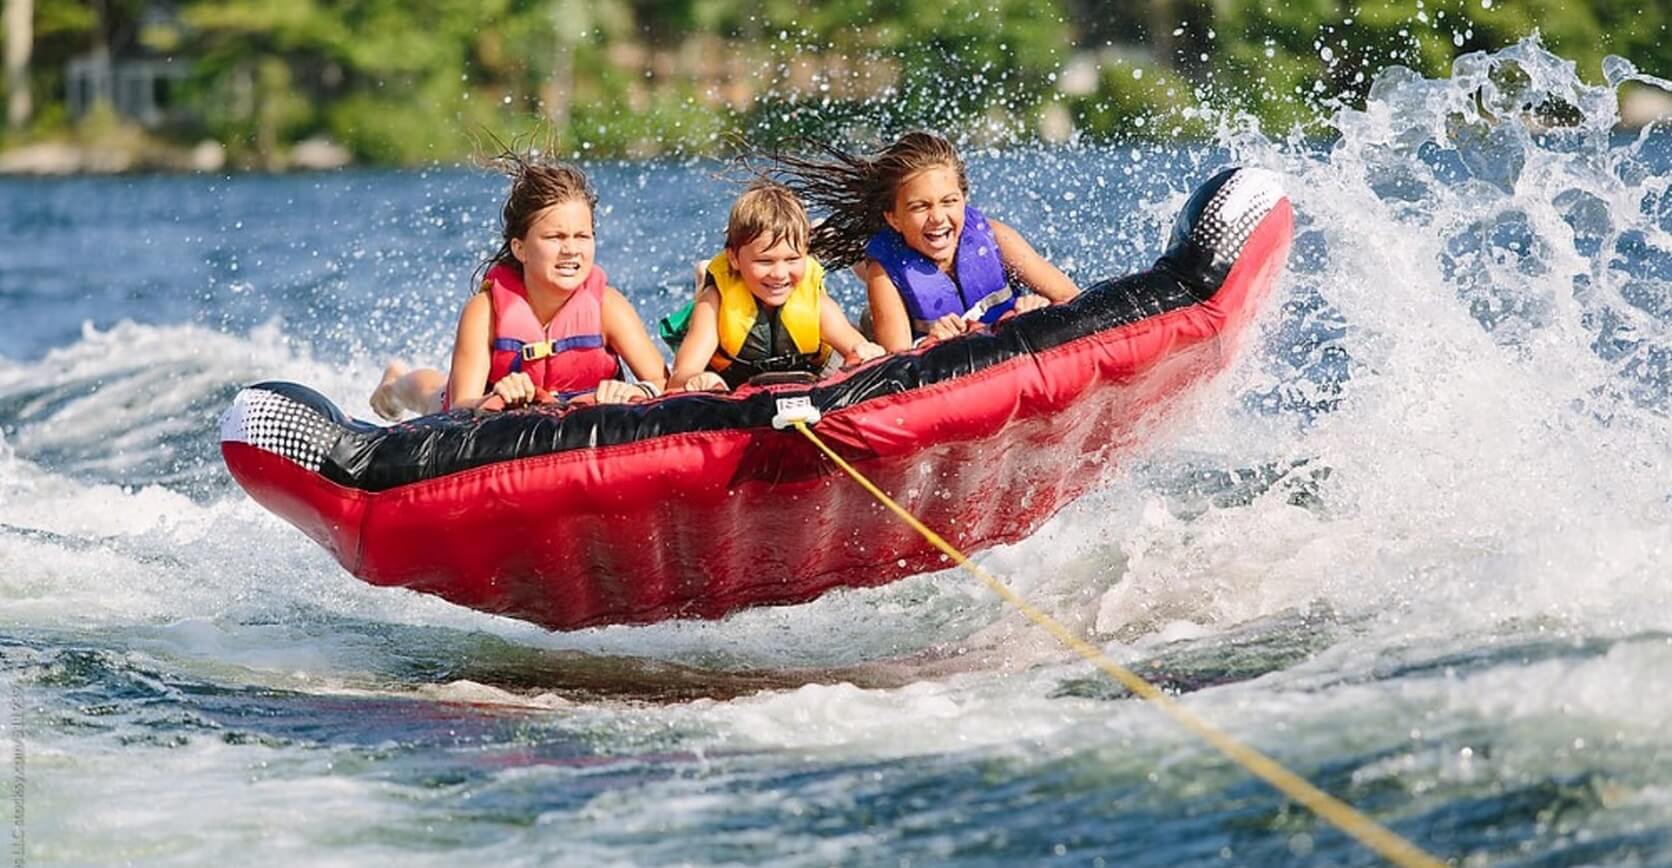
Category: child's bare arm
[1031,268]
[890,323]
[625,334]
[702,338]
[842,337]
[471,359]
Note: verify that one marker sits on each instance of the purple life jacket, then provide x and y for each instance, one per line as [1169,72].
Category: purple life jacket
[981,293]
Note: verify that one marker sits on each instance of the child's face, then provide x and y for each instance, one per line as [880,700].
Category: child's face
[557,251]
[770,269]
[929,213]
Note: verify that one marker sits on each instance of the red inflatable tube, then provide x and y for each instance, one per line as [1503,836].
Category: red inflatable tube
[694,506]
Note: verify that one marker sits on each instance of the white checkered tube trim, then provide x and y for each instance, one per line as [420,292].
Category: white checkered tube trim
[270,421]
[1235,210]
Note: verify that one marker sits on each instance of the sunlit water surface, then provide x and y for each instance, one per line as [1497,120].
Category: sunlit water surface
[1414,544]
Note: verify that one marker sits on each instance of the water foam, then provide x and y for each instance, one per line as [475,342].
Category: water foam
[1472,437]
[1491,447]
[1412,540]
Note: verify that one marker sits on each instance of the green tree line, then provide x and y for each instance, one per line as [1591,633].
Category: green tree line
[415,81]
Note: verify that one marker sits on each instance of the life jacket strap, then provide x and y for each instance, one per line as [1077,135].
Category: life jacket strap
[775,364]
[533,352]
[991,306]
[736,371]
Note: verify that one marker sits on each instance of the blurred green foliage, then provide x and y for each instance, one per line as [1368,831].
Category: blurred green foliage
[416,81]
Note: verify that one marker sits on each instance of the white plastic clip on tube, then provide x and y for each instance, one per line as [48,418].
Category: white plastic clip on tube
[797,409]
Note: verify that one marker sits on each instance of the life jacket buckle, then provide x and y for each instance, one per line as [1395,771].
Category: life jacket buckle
[536,351]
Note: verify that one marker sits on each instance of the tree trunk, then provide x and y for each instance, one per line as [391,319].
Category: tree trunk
[569,19]
[20,41]
[1162,22]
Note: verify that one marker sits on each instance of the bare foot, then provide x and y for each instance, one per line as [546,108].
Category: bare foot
[384,400]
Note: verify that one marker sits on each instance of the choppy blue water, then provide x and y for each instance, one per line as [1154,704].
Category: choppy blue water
[1413,544]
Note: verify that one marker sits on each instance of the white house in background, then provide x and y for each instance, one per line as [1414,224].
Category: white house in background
[144,90]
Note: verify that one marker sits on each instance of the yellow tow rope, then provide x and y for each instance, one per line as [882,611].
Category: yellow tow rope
[1340,814]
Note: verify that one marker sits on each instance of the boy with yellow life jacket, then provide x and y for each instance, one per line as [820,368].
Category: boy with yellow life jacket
[761,305]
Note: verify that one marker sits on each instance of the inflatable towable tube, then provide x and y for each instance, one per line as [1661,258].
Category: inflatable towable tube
[693,505]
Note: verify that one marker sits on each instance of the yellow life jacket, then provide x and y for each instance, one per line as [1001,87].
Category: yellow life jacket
[738,311]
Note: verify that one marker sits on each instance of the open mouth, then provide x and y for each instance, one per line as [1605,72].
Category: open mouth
[938,237]
[567,269]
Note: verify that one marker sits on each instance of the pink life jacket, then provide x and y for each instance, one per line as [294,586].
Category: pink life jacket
[568,354]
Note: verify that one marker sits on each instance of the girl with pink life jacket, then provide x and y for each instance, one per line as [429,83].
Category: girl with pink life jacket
[934,266]
[545,321]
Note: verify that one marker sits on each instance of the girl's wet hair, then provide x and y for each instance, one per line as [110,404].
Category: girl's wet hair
[537,182]
[855,189]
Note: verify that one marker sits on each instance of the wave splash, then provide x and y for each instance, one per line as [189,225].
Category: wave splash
[1470,371]
[1456,418]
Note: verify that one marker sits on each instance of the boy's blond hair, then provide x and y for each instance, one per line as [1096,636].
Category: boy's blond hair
[767,208]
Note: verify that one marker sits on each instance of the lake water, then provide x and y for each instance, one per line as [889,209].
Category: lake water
[1414,544]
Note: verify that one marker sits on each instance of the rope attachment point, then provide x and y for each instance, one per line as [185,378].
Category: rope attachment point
[795,412]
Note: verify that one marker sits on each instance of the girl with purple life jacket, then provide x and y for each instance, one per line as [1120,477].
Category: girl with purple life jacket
[544,322]
[934,266]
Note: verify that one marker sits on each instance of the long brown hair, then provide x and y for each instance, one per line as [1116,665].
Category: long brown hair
[537,183]
[855,189]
